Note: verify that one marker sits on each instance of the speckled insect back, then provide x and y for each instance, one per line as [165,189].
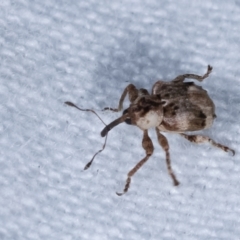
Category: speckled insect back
[175,106]
[186,107]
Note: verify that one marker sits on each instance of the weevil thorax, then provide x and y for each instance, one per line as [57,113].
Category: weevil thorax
[146,112]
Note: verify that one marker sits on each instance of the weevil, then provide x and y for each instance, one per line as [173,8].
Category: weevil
[174,106]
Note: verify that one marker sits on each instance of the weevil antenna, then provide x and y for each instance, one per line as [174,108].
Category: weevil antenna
[85,110]
[105,142]
[89,164]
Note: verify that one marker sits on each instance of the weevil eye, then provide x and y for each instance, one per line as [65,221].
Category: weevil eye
[128,120]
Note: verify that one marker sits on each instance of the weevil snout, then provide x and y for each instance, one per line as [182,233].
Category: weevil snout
[114,124]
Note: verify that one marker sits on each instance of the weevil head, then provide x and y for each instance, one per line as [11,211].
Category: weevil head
[145,112]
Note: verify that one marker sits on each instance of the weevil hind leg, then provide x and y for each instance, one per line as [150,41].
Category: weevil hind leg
[132,93]
[203,139]
[181,78]
[164,144]
[148,147]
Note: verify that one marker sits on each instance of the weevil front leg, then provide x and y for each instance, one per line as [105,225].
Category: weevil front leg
[148,147]
[132,93]
[181,78]
[164,144]
[202,139]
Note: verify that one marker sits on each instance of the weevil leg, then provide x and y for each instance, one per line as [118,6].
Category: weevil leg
[202,139]
[148,147]
[164,144]
[132,93]
[181,78]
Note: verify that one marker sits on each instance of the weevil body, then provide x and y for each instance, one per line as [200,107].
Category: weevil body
[175,106]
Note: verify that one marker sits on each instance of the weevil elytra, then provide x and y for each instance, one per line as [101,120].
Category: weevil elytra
[174,106]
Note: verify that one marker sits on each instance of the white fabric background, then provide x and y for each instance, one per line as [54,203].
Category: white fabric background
[87,52]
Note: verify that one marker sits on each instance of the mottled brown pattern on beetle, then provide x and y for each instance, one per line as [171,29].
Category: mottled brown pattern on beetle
[194,118]
[168,91]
